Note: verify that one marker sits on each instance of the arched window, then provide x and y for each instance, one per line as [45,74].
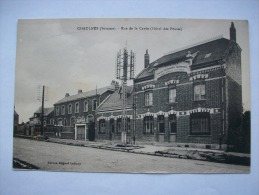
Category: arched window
[63,110]
[60,122]
[200,123]
[65,122]
[77,107]
[57,110]
[69,108]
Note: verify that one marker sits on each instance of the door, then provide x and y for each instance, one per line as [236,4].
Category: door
[161,128]
[91,131]
[81,132]
[111,132]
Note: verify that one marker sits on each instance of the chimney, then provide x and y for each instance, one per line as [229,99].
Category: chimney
[146,59]
[232,31]
[67,94]
[80,91]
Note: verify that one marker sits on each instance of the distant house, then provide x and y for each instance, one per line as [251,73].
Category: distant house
[35,120]
[77,111]
[15,121]
[110,116]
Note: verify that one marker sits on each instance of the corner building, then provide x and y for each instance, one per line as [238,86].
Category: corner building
[192,96]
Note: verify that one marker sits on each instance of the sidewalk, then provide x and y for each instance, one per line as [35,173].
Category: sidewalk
[164,151]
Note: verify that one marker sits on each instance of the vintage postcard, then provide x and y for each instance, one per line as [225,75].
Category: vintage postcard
[132,96]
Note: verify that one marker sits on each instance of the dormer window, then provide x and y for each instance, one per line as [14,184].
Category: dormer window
[207,55]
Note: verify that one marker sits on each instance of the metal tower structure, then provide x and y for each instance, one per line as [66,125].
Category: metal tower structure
[125,68]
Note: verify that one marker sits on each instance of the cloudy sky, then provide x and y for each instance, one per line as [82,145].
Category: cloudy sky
[57,54]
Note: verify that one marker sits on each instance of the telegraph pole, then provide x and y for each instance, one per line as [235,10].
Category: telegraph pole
[42,109]
[42,96]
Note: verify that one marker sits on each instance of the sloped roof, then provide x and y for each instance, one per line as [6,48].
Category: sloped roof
[216,47]
[86,94]
[47,111]
[114,101]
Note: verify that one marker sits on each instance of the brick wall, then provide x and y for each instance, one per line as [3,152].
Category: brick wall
[108,134]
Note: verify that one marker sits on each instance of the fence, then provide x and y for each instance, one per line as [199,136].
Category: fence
[59,132]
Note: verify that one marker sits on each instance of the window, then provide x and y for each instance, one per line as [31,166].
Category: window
[94,106]
[102,126]
[161,123]
[60,122]
[148,125]
[199,91]
[57,111]
[207,55]
[51,121]
[128,125]
[172,95]
[200,123]
[119,125]
[86,106]
[63,110]
[172,123]
[69,109]
[77,107]
[149,98]
[65,122]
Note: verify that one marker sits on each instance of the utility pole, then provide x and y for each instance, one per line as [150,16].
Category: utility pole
[42,96]
[42,109]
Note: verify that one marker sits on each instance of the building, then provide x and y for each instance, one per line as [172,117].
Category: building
[192,96]
[76,113]
[15,121]
[35,120]
[109,116]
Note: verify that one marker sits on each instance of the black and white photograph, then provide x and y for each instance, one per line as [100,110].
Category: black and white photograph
[132,96]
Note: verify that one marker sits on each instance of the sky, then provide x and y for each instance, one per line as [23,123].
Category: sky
[65,58]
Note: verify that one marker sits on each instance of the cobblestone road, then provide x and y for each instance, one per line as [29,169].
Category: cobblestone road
[57,157]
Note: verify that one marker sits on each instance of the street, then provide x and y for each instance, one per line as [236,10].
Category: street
[57,157]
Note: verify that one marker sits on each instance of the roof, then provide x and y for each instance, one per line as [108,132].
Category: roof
[114,102]
[47,111]
[216,47]
[86,94]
